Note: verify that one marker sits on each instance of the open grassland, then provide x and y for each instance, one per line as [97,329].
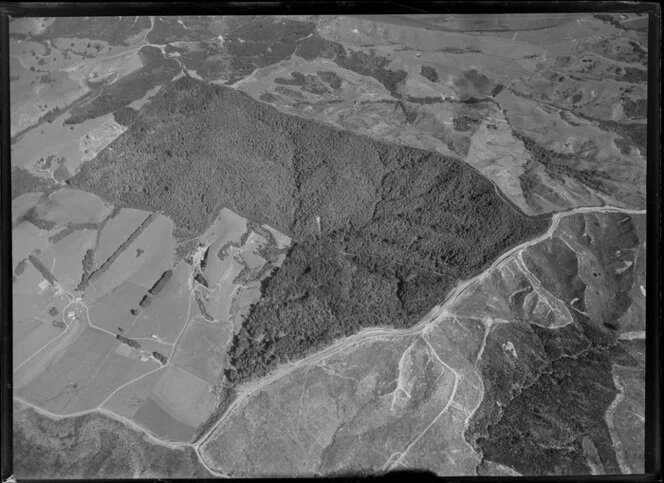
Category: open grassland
[202,350]
[167,314]
[83,376]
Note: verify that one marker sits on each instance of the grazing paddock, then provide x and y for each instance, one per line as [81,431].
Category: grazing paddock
[73,206]
[26,238]
[187,398]
[68,255]
[202,350]
[155,241]
[21,328]
[34,335]
[161,424]
[83,375]
[23,203]
[130,398]
[158,246]
[112,311]
[116,231]
[57,139]
[168,312]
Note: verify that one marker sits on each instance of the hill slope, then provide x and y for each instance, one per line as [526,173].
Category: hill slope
[398,226]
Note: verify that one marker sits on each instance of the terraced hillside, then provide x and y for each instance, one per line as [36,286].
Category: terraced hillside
[384,231]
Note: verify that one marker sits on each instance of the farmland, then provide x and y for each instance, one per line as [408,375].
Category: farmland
[85,347]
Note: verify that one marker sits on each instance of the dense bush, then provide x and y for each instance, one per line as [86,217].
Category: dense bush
[399,226]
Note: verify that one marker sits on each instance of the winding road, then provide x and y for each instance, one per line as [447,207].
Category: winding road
[246,390]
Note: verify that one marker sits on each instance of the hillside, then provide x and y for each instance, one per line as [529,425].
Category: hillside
[405,222]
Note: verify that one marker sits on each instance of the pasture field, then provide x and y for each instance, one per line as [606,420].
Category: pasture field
[84,375]
[155,242]
[26,238]
[112,311]
[73,206]
[187,398]
[33,335]
[68,256]
[202,350]
[177,403]
[57,139]
[116,231]
[37,89]
[167,314]
[131,397]
[158,247]
[31,300]
[23,203]
[21,328]
[160,423]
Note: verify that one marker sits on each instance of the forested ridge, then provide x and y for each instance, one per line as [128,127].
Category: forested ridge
[398,226]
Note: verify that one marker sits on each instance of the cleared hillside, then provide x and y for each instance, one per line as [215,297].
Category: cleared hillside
[398,226]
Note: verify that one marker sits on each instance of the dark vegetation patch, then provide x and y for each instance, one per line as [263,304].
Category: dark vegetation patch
[23,181]
[633,75]
[635,134]
[541,408]
[307,82]
[330,77]
[559,165]
[370,64]
[429,73]
[127,341]
[169,29]
[160,357]
[71,228]
[161,283]
[635,110]
[31,217]
[93,446]
[226,396]
[125,116]
[497,90]
[610,19]
[255,42]
[145,301]
[21,266]
[89,275]
[399,226]
[465,123]
[542,431]
[46,273]
[473,84]
[156,70]
[113,30]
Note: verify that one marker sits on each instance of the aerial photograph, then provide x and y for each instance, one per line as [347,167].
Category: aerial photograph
[254,246]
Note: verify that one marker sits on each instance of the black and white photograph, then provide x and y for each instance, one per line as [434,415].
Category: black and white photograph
[253,243]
